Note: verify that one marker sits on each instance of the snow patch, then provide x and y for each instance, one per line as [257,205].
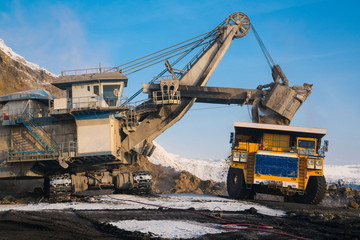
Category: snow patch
[8,51]
[169,229]
[349,173]
[123,201]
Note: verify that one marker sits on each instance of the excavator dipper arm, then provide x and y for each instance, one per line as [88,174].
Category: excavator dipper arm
[237,26]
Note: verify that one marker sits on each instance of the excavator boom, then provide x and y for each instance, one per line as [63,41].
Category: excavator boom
[237,25]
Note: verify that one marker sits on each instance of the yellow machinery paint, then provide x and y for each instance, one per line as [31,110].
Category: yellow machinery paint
[282,158]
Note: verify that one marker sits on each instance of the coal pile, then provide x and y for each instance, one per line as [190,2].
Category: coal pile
[339,195]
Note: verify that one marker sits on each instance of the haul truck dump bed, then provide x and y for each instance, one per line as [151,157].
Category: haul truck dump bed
[277,159]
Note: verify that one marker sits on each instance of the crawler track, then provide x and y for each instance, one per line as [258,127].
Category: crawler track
[58,187]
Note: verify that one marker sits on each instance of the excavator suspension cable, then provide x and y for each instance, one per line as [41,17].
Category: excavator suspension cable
[118,67]
[267,55]
[212,35]
[162,60]
[163,56]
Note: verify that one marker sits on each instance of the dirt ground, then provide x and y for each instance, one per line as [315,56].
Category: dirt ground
[333,219]
[306,221]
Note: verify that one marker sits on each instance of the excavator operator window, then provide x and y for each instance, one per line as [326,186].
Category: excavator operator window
[111,93]
[96,90]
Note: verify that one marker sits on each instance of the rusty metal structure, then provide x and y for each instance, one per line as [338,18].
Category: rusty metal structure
[87,139]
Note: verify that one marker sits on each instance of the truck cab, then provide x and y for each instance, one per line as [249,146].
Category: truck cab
[277,159]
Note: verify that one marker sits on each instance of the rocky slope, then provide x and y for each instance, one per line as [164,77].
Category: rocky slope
[17,74]
[170,180]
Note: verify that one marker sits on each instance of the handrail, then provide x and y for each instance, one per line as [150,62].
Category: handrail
[28,118]
[87,71]
[199,54]
[171,97]
[157,79]
[68,147]
[276,146]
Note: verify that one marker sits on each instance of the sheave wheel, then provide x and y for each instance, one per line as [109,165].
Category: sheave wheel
[242,20]
[236,186]
[314,193]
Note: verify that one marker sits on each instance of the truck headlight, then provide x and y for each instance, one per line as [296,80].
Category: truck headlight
[318,164]
[235,156]
[310,163]
[243,157]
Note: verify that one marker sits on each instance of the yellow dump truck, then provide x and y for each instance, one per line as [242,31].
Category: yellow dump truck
[277,159]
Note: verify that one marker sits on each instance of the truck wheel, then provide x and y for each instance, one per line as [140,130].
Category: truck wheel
[236,186]
[314,193]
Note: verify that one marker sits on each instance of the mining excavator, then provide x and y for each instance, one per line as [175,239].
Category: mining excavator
[88,139]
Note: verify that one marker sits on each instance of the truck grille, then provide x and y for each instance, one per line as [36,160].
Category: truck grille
[279,165]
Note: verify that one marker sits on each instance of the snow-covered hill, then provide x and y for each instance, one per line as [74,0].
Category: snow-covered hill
[216,170]
[17,74]
[13,55]
[349,173]
[205,169]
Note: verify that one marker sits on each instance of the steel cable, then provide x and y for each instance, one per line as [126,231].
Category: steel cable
[162,57]
[263,48]
[210,34]
[117,67]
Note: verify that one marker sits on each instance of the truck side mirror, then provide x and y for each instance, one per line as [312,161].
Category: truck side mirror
[326,145]
[232,138]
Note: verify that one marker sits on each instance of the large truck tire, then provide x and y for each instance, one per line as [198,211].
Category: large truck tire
[236,185]
[314,192]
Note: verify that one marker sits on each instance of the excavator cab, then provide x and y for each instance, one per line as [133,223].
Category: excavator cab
[100,90]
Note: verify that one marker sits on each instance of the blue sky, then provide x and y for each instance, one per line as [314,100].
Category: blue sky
[313,41]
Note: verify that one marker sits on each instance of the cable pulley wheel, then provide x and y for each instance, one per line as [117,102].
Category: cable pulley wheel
[242,20]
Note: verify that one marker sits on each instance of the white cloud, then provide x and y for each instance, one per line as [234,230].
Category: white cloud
[51,35]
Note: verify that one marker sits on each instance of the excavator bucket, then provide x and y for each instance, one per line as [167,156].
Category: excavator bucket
[285,100]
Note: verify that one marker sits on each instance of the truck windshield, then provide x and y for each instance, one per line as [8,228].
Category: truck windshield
[306,144]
